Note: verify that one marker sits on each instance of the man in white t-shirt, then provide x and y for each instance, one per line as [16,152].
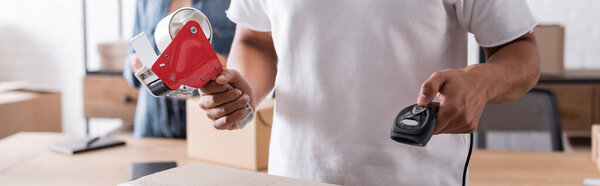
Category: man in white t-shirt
[343,69]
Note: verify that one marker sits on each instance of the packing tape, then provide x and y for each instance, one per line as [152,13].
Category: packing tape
[169,26]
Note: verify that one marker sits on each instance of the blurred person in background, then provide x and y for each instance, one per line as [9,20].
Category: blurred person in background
[166,116]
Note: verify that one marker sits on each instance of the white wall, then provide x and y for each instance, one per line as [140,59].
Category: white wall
[581,19]
[103,25]
[41,43]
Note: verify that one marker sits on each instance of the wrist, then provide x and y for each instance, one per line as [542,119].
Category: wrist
[483,79]
[254,101]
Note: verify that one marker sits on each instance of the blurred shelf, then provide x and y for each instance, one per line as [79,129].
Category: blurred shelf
[114,73]
[572,76]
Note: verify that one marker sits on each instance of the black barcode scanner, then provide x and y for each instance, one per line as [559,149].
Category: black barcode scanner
[414,125]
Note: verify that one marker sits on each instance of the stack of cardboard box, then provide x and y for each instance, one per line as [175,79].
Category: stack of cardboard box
[112,55]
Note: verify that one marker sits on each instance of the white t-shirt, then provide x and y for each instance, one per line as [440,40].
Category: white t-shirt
[347,67]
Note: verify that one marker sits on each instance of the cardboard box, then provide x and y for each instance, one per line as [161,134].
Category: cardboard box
[595,143]
[112,55]
[27,110]
[551,44]
[204,174]
[247,148]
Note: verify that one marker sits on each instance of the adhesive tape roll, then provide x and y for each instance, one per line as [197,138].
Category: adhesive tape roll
[169,26]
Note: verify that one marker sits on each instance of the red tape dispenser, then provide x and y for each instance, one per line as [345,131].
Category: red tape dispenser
[186,63]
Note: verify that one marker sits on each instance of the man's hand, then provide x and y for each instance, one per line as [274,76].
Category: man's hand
[225,99]
[511,70]
[462,96]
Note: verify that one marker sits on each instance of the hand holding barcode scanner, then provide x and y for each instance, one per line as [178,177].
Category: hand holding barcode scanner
[188,62]
[462,99]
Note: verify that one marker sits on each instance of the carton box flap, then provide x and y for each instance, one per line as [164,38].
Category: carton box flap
[21,86]
[16,96]
[11,86]
[205,174]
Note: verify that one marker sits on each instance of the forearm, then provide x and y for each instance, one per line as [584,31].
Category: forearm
[256,61]
[511,70]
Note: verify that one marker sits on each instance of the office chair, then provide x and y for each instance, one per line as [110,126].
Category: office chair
[531,123]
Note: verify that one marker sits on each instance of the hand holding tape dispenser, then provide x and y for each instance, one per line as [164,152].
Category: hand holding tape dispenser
[187,60]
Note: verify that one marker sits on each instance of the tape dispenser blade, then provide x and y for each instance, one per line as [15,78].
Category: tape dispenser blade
[144,49]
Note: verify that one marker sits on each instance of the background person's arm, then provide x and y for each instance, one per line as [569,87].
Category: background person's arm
[512,69]
[250,75]
[132,63]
